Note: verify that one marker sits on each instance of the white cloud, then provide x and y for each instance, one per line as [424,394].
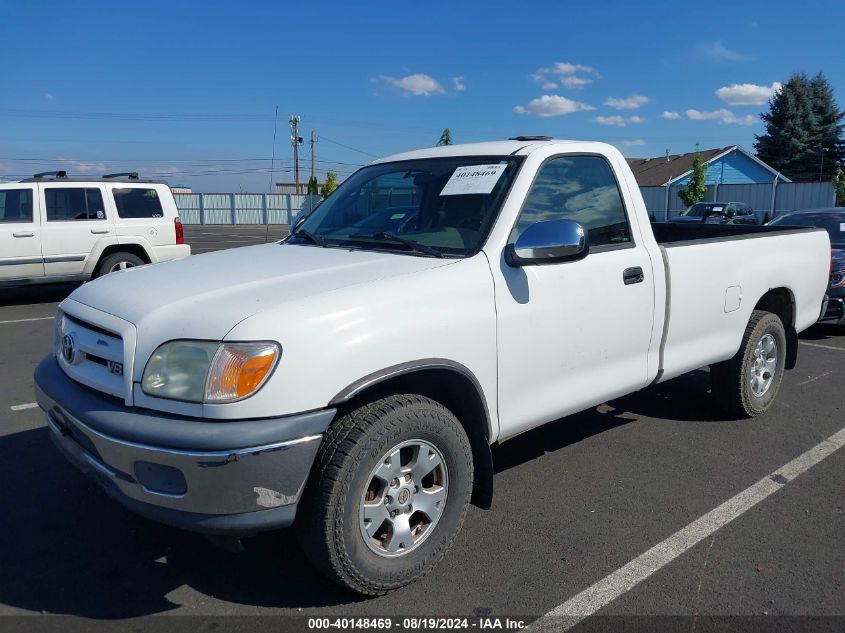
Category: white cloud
[418,84]
[565,68]
[720,52]
[573,81]
[82,167]
[722,116]
[552,105]
[48,96]
[565,74]
[458,84]
[618,120]
[629,103]
[747,94]
[670,115]
[634,143]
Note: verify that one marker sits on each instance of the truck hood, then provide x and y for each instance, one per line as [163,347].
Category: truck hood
[205,296]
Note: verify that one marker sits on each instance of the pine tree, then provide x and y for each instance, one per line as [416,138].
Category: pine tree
[803,137]
[445,138]
[313,187]
[827,136]
[786,144]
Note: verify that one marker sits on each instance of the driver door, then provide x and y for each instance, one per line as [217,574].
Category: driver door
[572,335]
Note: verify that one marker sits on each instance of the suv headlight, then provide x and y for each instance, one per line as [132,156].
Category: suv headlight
[207,371]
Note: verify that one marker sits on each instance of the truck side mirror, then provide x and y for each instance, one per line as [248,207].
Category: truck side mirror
[548,242]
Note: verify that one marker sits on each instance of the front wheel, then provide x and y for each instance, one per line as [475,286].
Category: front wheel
[387,495]
[746,385]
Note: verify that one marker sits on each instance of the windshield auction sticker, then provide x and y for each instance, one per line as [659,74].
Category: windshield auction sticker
[473,179]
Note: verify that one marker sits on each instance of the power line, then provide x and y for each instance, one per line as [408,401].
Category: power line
[354,149]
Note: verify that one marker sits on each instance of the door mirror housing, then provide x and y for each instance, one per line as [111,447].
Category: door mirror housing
[549,242]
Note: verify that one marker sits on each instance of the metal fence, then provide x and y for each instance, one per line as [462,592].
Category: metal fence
[768,199]
[241,208]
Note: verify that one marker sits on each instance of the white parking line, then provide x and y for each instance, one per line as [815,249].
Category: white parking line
[24,407]
[26,320]
[586,603]
[815,378]
[839,349]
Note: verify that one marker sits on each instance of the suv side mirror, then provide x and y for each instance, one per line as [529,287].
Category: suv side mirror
[548,242]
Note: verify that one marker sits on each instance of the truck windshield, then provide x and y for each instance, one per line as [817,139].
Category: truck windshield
[428,207]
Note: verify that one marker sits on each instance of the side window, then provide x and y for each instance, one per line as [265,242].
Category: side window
[15,205]
[78,203]
[579,188]
[137,203]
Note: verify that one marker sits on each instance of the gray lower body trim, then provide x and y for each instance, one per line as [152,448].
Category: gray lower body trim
[55,259]
[20,261]
[210,476]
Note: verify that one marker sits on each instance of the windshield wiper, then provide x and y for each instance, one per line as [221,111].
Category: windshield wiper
[413,245]
[319,240]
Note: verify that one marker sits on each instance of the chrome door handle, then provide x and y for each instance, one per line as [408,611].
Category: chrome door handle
[99,231]
[24,234]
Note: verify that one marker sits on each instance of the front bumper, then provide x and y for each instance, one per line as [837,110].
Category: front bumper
[233,477]
[834,312]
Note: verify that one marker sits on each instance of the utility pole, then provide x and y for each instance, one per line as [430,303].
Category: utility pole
[313,141]
[273,159]
[295,140]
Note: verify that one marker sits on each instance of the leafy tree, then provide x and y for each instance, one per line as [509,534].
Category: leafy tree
[838,181]
[330,185]
[313,187]
[803,129]
[445,138]
[696,185]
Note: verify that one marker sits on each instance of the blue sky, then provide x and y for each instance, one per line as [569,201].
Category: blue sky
[187,91]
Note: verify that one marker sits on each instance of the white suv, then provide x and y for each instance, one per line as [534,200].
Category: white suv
[56,229]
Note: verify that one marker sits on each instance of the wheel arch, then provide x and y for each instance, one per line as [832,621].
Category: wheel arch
[449,383]
[781,302]
[131,247]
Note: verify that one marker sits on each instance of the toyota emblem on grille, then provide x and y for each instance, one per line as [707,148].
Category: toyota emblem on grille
[68,349]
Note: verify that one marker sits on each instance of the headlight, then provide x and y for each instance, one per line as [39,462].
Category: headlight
[206,371]
[837,279]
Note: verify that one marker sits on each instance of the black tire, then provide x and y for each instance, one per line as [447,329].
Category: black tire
[731,380]
[328,521]
[107,264]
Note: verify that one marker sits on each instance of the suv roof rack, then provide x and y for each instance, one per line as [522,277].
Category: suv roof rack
[129,176]
[530,138]
[54,174]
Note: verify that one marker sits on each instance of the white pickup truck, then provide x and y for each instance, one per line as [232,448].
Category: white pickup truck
[351,379]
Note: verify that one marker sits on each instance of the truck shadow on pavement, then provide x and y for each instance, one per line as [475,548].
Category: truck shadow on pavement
[68,549]
[685,399]
[71,550]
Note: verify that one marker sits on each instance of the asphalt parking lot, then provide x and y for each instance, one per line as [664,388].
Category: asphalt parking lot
[576,501]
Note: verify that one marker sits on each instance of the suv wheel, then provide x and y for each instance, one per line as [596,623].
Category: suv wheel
[116,262]
[387,495]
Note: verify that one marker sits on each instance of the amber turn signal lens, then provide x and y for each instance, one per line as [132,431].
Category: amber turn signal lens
[239,369]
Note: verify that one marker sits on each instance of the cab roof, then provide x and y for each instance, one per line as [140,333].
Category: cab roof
[517,147]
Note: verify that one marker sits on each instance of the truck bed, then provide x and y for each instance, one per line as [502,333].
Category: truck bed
[717,273]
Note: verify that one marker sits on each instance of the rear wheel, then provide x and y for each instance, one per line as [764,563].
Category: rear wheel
[746,385]
[116,262]
[387,495]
